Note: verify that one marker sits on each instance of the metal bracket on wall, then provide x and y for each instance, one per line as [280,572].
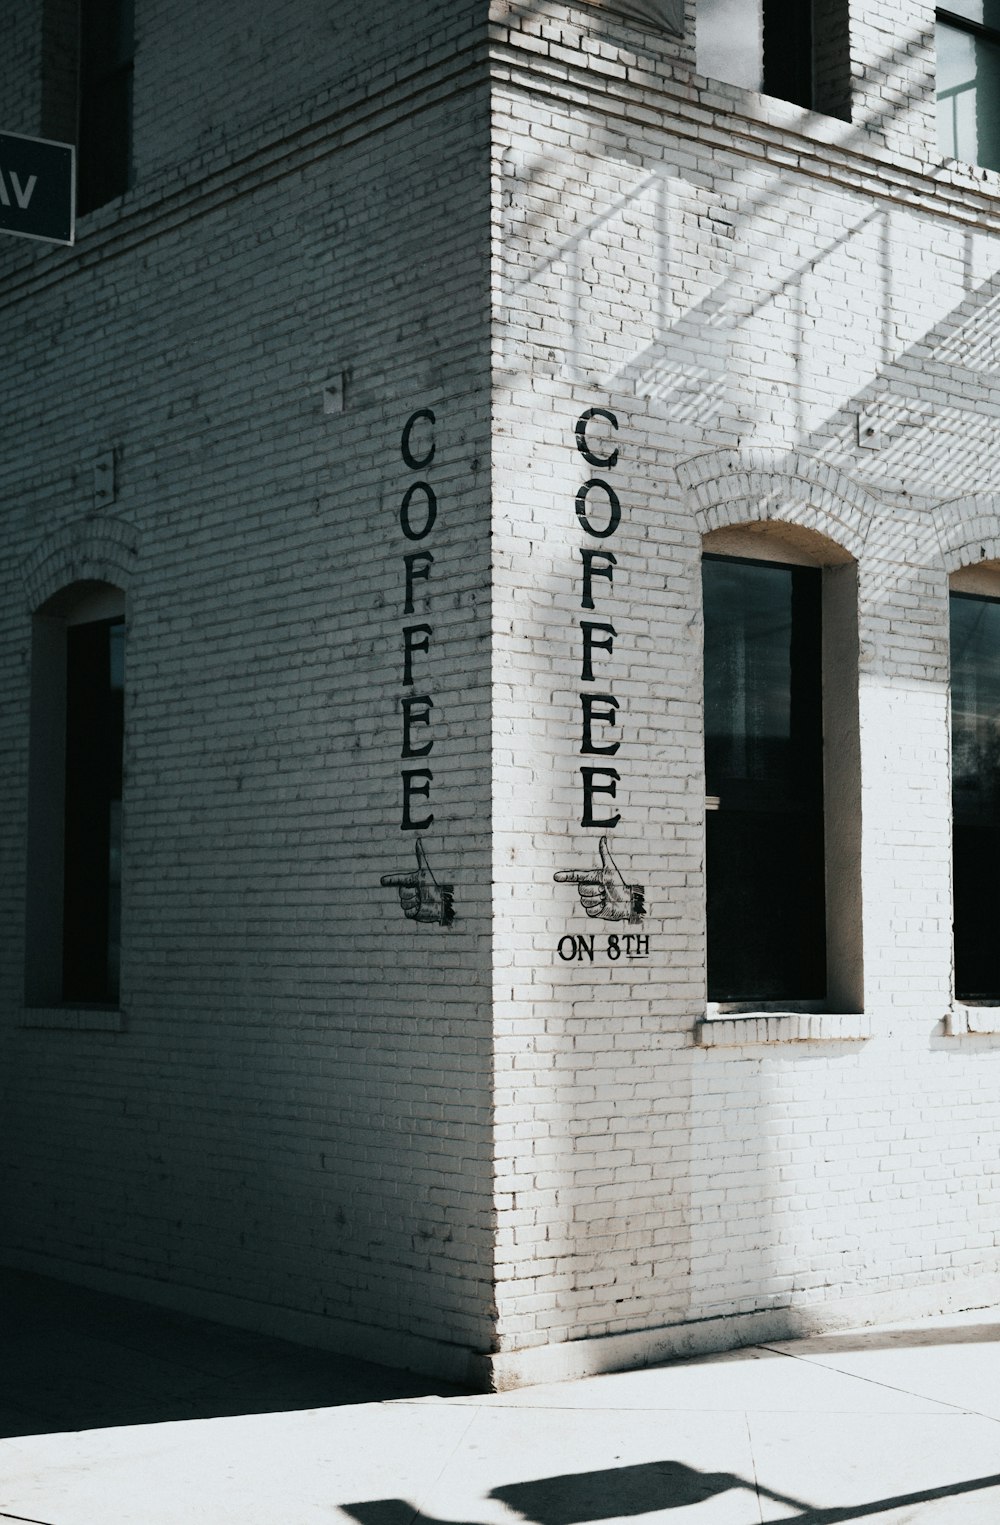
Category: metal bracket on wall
[104,480]
[869,430]
[335,394]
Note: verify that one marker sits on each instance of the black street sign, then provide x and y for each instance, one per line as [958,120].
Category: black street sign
[37,188]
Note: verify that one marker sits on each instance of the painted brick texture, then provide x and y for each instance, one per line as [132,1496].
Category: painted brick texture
[295,1115]
[736,280]
[522,1136]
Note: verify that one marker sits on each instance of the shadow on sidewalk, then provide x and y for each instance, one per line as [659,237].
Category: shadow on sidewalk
[80,1360]
[850,1341]
[579,1498]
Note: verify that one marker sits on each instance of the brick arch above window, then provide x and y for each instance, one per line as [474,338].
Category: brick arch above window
[969,530]
[89,550]
[728,488]
[661,15]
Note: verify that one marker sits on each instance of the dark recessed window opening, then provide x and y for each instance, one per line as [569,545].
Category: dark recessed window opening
[104,158]
[60,71]
[788,51]
[95,671]
[975,774]
[764,781]
[968,81]
[796,50]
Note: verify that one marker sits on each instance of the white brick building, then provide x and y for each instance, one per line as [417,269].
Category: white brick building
[389,405]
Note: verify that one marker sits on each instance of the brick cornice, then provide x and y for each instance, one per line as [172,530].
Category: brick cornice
[682,104]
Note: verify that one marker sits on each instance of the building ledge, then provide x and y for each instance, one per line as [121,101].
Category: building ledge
[104,1019]
[721,1029]
[980,1017]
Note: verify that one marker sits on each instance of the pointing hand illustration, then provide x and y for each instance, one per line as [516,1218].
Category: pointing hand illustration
[420,895]
[603,891]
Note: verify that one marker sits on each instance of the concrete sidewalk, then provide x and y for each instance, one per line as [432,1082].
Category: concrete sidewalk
[892,1424]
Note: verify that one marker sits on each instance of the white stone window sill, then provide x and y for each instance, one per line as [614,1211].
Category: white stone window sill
[720,1028]
[102,1019]
[983,1017]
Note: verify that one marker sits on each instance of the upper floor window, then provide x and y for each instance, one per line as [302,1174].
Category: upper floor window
[797,50]
[968,81]
[104,157]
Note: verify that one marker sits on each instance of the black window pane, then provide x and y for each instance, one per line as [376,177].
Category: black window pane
[105,140]
[764,779]
[788,50]
[975,750]
[92,840]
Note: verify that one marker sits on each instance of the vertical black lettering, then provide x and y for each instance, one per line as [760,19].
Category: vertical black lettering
[406,524]
[417,711]
[590,788]
[602,717]
[411,786]
[588,627]
[404,444]
[418,566]
[582,505]
[591,571]
[607,461]
[413,643]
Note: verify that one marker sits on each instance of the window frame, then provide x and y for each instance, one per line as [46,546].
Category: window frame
[813,72]
[775,541]
[983,33]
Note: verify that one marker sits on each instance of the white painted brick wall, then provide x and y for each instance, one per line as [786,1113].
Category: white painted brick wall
[400,1133]
[693,258]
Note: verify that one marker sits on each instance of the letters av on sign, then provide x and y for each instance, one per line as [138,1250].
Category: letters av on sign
[37,188]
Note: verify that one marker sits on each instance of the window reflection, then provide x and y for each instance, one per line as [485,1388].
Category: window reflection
[968,82]
[975,754]
[764,780]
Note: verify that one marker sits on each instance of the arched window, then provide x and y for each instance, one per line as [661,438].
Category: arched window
[73,949]
[782,768]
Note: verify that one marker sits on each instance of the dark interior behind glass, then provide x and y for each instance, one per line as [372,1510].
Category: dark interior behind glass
[975,764]
[764,780]
[92,887]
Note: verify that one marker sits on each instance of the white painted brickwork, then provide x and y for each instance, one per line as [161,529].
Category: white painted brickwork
[424,1141]
[735,280]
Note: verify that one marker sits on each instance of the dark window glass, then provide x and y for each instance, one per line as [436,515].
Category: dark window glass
[104,166]
[95,662]
[788,51]
[975,772]
[764,779]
